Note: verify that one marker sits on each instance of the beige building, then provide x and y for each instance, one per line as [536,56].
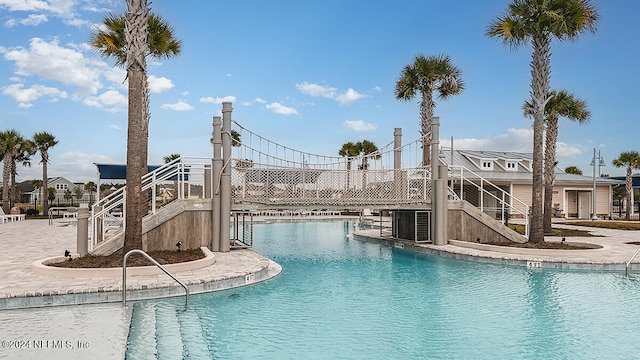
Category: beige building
[510,173]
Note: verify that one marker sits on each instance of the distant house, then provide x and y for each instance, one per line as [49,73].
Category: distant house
[512,172]
[63,187]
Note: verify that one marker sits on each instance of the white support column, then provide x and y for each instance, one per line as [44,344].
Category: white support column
[225,188]
[216,169]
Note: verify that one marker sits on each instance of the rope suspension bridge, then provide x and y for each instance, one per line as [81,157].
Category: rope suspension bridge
[249,172]
[266,173]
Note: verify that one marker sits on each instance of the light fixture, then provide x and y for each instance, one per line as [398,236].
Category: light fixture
[178,245]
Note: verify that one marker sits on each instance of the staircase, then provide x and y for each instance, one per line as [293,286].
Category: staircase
[165,331]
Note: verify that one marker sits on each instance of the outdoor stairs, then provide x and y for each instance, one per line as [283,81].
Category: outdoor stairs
[165,331]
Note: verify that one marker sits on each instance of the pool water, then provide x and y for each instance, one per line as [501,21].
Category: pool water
[343,299]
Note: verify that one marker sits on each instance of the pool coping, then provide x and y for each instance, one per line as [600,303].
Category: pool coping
[489,254]
[263,269]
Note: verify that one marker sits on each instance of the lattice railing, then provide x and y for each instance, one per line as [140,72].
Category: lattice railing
[270,185]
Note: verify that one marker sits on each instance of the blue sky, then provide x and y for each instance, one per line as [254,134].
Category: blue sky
[311,75]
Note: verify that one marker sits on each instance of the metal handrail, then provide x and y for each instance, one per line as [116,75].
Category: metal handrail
[628,266]
[124,275]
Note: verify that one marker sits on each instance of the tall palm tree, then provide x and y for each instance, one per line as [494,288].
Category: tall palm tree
[630,160]
[348,150]
[22,156]
[538,22]
[43,142]
[91,188]
[428,76]
[10,144]
[565,104]
[368,150]
[130,39]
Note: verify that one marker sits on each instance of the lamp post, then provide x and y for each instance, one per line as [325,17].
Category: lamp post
[597,161]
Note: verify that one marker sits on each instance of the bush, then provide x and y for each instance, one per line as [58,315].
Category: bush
[33,212]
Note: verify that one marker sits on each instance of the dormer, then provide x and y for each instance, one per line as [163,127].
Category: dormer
[511,165]
[486,164]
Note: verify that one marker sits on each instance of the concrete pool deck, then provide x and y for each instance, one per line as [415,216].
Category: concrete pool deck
[26,242]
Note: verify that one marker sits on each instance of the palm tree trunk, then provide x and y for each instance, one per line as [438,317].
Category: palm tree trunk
[540,69]
[629,189]
[136,32]
[426,113]
[5,182]
[45,183]
[549,171]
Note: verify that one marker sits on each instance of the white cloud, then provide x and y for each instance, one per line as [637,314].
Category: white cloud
[26,96]
[111,101]
[516,140]
[114,126]
[316,90]
[159,84]
[217,100]
[53,62]
[278,108]
[359,125]
[377,88]
[179,106]
[31,20]
[256,100]
[329,92]
[349,96]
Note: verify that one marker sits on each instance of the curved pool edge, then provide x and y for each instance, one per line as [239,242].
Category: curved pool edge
[576,260]
[231,270]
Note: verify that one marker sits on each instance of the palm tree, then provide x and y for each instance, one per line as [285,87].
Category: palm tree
[630,160]
[169,158]
[367,150]
[348,150]
[561,103]
[22,156]
[538,22]
[572,170]
[130,39]
[43,142]
[428,75]
[10,144]
[90,187]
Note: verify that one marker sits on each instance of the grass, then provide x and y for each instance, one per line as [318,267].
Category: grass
[616,225]
[163,257]
[556,231]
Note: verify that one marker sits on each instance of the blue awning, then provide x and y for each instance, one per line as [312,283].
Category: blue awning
[116,171]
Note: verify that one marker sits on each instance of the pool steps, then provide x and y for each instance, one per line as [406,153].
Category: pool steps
[165,331]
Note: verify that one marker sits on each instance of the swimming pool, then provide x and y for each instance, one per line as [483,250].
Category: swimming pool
[340,298]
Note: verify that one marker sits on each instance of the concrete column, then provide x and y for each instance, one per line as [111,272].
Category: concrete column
[444,205]
[435,144]
[225,188]
[216,168]
[397,148]
[435,196]
[399,176]
[82,240]
[207,182]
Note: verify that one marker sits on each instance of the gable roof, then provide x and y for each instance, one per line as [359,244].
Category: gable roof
[471,159]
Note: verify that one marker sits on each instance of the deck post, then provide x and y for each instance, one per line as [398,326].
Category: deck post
[225,181]
[216,168]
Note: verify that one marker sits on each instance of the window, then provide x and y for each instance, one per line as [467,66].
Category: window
[62,186]
[512,166]
[486,165]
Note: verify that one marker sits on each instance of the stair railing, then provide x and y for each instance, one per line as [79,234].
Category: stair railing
[124,275]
